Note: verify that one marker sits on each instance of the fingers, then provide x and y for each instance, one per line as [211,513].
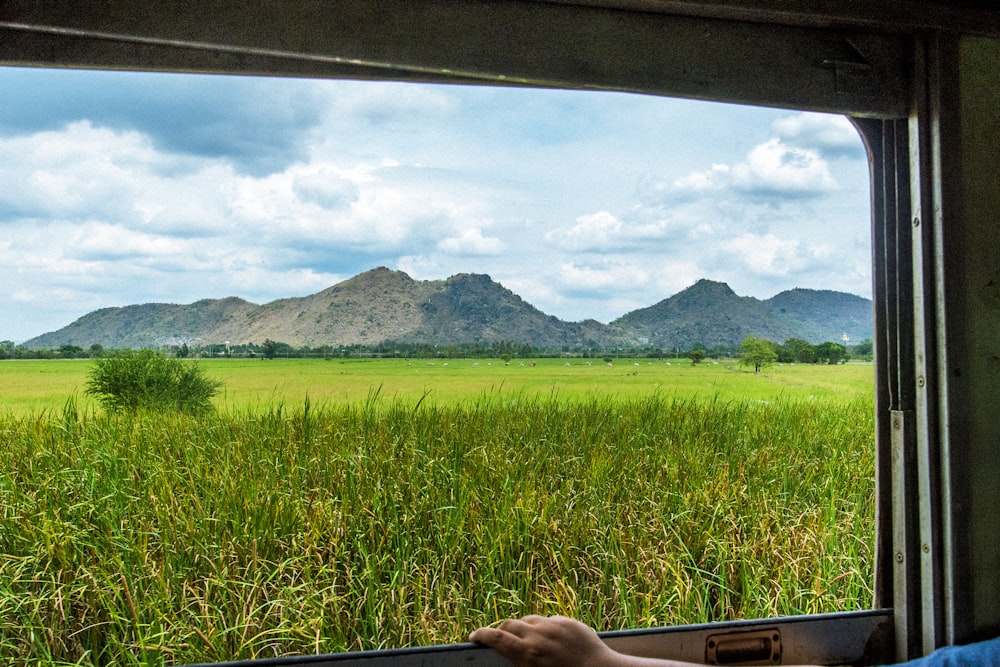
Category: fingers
[484,635]
[511,626]
[535,619]
[537,641]
[503,639]
[519,627]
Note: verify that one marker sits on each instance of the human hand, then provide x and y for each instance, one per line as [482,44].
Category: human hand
[556,641]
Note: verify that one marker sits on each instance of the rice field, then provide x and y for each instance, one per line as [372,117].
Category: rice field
[322,522]
[34,386]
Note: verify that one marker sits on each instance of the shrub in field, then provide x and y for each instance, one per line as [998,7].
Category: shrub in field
[133,380]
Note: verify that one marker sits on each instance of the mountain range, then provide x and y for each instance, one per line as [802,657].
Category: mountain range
[382,305]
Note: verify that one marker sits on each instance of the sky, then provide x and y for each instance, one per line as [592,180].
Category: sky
[126,188]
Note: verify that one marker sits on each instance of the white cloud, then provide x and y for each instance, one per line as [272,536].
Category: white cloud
[385,102]
[769,255]
[100,240]
[421,267]
[831,134]
[83,172]
[701,181]
[325,187]
[676,275]
[260,283]
[604,232]
[86,173]
[576,293]
[774,167]
[771,169]
[471,242]
[593,231]
[80,168]
[535,289]
[610,275]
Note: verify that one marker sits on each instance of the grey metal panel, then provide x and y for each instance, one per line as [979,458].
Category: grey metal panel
[965,281]
[946,490]
[516,42]
[847,638]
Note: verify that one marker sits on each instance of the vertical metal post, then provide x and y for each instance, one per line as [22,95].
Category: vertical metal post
[906,565]
[925,179]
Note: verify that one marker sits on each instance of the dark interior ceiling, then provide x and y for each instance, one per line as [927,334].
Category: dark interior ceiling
[970,16]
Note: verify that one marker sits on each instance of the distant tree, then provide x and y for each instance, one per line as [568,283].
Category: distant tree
[7,348]
[96,350]
[831,353]
[695,356]
[145,380]
[70,351]
[864,349]
[757,352]
[797,350]
[269,348]
[719,351]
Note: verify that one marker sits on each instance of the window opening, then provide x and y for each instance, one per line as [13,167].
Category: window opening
[265,190]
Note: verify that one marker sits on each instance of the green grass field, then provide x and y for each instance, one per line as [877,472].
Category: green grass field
[406,504]
[32,386]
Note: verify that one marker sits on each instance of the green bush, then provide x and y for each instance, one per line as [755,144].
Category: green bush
[145,380]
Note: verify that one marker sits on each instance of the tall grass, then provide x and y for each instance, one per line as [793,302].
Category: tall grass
[158,539]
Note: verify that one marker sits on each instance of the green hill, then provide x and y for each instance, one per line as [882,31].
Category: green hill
[384,305]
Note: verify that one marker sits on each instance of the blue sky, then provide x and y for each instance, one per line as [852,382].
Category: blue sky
[122,188]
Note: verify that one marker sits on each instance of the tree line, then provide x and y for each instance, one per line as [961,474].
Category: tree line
[759,351]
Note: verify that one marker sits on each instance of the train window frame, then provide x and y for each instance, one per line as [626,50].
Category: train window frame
[906,78]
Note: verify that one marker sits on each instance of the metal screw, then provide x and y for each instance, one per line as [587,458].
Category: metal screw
[916,222]
[899,557]
[920,381]
[927,548]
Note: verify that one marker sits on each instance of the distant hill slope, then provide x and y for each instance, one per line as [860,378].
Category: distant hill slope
[148,325]
[709,313]
[384,305]
[712,314]
[822,315]
[471,308]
